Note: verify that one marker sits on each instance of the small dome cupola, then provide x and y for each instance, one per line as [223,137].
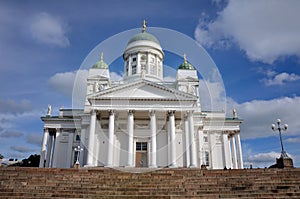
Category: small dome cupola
[100,64]
[186,65]
[143,57]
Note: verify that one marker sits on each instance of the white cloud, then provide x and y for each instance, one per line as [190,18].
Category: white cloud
[280,79]
[115,76]
[35,139]
[11,134]
[21,149]
[48,29]
[258,116]
[265,30]
[212,96]
[14,107]
[64,82]
[293,140]
[262,159]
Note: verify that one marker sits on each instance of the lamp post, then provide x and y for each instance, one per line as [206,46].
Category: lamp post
[78,149]
[279,128]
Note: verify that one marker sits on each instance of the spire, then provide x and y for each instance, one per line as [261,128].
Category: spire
[101,56]
[184,58]
[144,26]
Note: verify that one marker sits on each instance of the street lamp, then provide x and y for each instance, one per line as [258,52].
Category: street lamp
[279,128]
[78,149]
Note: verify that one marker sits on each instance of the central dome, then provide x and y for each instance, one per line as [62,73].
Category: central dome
[143,36]
[143,57]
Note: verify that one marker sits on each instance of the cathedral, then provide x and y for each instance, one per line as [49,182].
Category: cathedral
[141,121]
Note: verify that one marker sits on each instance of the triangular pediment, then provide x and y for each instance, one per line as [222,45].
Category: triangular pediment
[142,89]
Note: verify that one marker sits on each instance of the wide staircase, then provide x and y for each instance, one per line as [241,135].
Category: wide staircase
[16,182]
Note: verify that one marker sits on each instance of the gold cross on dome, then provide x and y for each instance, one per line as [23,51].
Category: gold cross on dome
[144,26]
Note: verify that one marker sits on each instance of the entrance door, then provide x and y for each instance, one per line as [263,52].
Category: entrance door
[141,155]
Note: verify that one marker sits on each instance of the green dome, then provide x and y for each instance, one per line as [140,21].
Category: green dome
[143,36]
[100,64]
[186,65]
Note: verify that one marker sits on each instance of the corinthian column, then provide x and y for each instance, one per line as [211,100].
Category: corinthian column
[153,139]
[90,152]
[111,130]
[239,150]
[43,149]
[172,139]
[193,160]
[234,158]
[130,125]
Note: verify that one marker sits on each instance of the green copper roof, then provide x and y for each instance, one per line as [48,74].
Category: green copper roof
[186,65]
[100,64]
[144,36]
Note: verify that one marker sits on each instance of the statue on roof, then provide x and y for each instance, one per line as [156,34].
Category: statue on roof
[144,26]
[48,110]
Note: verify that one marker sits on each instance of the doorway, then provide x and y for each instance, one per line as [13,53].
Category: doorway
[141,154]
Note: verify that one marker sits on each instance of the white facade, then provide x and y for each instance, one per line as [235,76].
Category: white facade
[142,121]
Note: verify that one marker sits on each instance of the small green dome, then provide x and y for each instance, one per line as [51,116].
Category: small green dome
[143,36]
[100,64]
[186,65]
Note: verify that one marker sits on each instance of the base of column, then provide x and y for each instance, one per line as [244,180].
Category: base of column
[153,166]
[192,166]
[89,165]
[108,166]
[173,166]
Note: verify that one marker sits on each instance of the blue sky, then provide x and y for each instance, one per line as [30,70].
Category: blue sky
[255,44]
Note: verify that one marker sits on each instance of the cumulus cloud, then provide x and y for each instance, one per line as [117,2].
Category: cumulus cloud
[212,96]
[115,76]
[48,29]
[35,139]
[258,115]
[265,30]
[280,79]
[64,82]
[14,107]
[262,159]
[21,149]
[292,140]
[11,134]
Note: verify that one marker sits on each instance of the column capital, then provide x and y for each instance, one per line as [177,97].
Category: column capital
[111,112]
[46,130]
[130,112]
[171,112]
[93,111]
[151,112]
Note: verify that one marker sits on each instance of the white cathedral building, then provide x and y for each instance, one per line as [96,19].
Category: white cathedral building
[142,121]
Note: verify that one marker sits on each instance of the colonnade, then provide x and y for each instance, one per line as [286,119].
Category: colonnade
[234,148]
[91,148]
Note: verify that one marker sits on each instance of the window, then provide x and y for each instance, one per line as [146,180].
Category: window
[134,69]
[205,139]
[134,59]
[141,146]
[206,158]
[77,138]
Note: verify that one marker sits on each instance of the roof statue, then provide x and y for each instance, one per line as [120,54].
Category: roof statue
[48,110]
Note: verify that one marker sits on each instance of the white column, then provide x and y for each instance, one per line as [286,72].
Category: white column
[43,148]
[111,130]
[70,150]
[130,127]
[52,151]
[49,147]
[187,141]
[234,158]
[239,150]
[227,157]
[193,160]
[201,143]
[90,152]
[82,145]
[172,139]
[153,139]
[230,154]
[56,149]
